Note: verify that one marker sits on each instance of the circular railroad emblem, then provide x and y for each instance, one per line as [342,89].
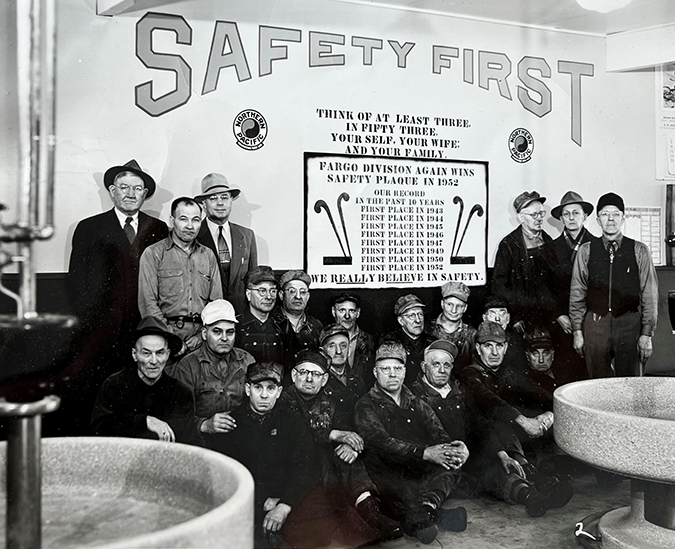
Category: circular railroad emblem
[521,145]
[250,129]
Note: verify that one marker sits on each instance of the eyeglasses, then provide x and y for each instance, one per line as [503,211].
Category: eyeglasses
[413,316]
[613,215]
[536,215]
[309,374]
[219,197]
[137,189]
[264,292]
[294,291]
[388,369]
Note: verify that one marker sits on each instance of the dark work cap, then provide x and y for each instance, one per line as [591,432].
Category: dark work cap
[262,273]
[133,167]
[523,200]
[407,302]
[610,199]
[264,371]
[313,357]
[331,330]
[294,274]
[570,197]
[490,331]
[537,338]
[495,302]
[346,296]
[391,349]
[443,345]
[154,326]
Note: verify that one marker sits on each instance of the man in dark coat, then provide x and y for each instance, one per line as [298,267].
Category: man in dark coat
[413,461]
[234,245]
[143,402]
[102,283]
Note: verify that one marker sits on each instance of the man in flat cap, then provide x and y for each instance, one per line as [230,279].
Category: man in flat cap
[234,245]
[102,283]
[275,444]
[143,402]
[258,332]
[215,371]
[522,272]
[299,329]
[179,276]
[411,333]
[449,324]
[410,457]
[346,310]
[613,297]
[345,485]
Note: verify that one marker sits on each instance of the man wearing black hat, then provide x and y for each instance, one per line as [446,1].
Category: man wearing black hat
[344,480]
[522,272]
[613,298]
[102,283]
[411,333]
[273,441]
[346,310]
[142,402]
[234,245]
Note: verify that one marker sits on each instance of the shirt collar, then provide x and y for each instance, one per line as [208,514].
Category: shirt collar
[619,240]
[122,217]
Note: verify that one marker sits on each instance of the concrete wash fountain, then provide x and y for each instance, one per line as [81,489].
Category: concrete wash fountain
[626,426]
[115,493]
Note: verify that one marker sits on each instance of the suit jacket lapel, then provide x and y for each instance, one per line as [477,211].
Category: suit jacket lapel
[238,249]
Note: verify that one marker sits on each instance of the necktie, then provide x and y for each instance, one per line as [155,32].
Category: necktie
[129,229]
[223,256]
[612,251]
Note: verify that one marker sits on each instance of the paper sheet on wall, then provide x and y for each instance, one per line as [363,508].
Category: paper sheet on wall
[644,224]
[665,121]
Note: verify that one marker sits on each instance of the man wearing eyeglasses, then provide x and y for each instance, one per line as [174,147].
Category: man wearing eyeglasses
[299,330]
[215,371]
[345,484]
[257,331]
[613,298]
[411,333]
[412,459]
[234,245]
[102,283]
[522,272]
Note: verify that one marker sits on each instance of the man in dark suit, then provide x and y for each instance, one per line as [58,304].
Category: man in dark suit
[102,279]
[234,245]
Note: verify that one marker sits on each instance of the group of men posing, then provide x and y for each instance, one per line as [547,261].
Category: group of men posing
[340,432]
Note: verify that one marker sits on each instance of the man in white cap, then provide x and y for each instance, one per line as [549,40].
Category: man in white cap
[215,372]
[449,325]
[234,245]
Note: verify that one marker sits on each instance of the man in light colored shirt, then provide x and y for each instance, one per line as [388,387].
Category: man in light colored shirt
[613,298]
[234,245]
[179,276]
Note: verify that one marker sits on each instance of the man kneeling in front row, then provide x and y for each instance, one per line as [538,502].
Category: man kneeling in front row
[413,461]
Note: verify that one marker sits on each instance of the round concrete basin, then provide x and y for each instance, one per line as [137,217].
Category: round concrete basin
[625,425]
[121,493]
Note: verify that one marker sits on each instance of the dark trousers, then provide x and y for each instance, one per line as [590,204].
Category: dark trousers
[610,338]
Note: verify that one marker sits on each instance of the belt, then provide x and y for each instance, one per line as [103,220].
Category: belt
[181,320]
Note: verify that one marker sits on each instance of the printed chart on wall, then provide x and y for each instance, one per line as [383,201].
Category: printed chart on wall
[377,222]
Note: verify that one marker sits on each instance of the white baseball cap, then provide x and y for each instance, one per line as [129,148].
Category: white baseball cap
[220,309]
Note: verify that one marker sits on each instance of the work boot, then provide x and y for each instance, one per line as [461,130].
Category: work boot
[370,513]
[453,520]
[553,494]
[421,524]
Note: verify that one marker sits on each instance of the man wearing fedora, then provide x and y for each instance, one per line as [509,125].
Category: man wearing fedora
[143,402]
[102,282]
[234,245]
[613,297]
[522,273]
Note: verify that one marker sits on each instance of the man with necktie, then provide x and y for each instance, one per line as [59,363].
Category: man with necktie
[234,245]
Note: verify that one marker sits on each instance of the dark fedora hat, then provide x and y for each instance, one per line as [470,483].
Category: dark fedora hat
[155,326]
[133,167]
[570,197]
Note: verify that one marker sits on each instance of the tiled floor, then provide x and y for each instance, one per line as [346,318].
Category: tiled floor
[497,525]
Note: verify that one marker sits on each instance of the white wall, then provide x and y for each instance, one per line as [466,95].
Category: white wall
[99,125]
